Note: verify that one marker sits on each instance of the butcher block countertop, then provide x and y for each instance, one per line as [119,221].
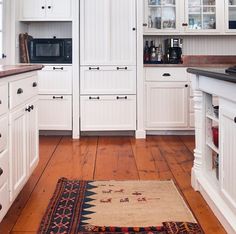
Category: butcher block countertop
[10,70]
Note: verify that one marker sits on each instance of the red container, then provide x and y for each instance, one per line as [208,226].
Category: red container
[215,136]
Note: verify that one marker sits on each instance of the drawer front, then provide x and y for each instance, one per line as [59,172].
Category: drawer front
[108,80]
[166,74]
[4,164]
[55,112]
[4,200]
[21,90]
[102,113]
[55,80]
[3,133]
[3,99]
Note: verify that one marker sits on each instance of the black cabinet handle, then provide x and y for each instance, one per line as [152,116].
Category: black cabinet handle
[94,98]
[134,29]
[184,24]
[28,109]
[94,68]
[125,97]
[1,171]
[43,7]
[166,74]
[122,68]
[0,135]
[49,7]
[145,25]
[0,102]
[0,206]
[235,119]
[31,107]
[58,68]
[186,86]
[57,97]
[20,91]
[35,84]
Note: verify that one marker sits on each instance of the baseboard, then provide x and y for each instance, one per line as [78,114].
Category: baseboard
[140,134]
[108,133]
[172,132]
[54,133]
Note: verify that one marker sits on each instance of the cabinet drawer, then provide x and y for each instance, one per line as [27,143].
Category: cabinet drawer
[108,80]
[21,90]
[55,80]
[4,164]
[55,112]
[4,200]
[3,133]
[101,113]
[166,74]
[3,99]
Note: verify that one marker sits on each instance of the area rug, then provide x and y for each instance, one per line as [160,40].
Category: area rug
[152,207]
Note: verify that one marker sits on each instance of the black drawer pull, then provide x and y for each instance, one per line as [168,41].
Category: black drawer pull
[57,97]
[94,68]
[0,206]
[49,7]
[58,68]
[94,98]
[0,135]
[121,97]
[235,119]
[122,68]
[20,91]
[145,25]
[166,74]
[0,102]
[31,107]
[28,109]
[184,24]
[43,7]
[186,86]
[1,171]
[35,84]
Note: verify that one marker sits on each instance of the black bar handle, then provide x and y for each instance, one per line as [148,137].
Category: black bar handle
[0,102]
[235,119]
[145,25]
[184,24]
[94,68]
[57,97]
[1,171]
[122,68]
[94,98]
[125,97]
[166,74]
[0,135]
[58,68]
[20,91]
[0,206]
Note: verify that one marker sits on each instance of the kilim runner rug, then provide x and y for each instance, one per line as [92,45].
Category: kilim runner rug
[148,207]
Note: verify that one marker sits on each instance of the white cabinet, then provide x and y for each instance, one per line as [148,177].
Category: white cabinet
[3,98]
[108,32]
[108,80]
[167,105]
[4,200]
[230,16]
[55,112]
[104,113]
[46,9]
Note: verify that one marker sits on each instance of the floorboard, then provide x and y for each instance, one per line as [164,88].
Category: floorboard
[107,158]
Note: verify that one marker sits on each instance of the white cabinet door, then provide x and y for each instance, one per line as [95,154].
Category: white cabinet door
[55,112]
[33,9]
[104,113]
[59,9]
[32,136]
[167,105]
[18,151]
[55,80]
[227,156]
[108,80]
[4,200]
[108,32]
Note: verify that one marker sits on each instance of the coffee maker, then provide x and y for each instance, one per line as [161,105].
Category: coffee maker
[173,50]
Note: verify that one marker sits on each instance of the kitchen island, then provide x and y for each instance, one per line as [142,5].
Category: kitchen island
[18,130]
[214,170]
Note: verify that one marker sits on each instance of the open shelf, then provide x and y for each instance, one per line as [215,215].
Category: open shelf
[212,117]
[213,147]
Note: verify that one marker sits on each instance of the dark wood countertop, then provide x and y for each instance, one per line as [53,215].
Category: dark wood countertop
[188,65]
[10,70]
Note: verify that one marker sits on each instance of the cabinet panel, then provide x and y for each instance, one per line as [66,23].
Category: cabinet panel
[18,157]
[55,112]
[55,80]
[4,165]
[3,133]
[108,80]
[4,200]
[227,157]
[167,105]
[59,9]
[33,9]
[3,99]
[108,113]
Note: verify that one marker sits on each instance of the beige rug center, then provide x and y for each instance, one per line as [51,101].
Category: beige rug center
[137,204]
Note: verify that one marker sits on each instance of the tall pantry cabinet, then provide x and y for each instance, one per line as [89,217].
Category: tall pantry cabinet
[108,59]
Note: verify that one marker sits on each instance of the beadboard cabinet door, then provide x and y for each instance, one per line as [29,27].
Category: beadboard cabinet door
[167,105]
[33,9]
[108,32]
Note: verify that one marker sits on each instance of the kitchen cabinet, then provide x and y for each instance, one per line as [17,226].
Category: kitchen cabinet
[108,32]
[55,99]
[189,16]
[34,10]
[111,112]
[230,16]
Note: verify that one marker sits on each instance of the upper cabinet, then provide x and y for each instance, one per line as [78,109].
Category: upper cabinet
[39,10]
[178,16]
[108,32]
[230,13]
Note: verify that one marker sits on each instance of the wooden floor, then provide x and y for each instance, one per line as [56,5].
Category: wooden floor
[106,158]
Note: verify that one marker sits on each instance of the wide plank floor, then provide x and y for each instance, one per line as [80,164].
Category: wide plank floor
[107,158]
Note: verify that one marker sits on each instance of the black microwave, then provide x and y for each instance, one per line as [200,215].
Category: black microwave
[50,50]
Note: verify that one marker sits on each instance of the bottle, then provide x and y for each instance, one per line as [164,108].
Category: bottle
[152,52]
[150,22]
[159,54]
[146,54]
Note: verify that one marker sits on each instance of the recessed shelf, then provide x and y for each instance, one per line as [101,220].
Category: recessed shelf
[212,146]
[215,119]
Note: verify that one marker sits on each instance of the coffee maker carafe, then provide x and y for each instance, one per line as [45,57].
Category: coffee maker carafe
[173,50]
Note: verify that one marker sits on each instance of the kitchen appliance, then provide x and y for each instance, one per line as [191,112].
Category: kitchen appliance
[52,50]
[173,50]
